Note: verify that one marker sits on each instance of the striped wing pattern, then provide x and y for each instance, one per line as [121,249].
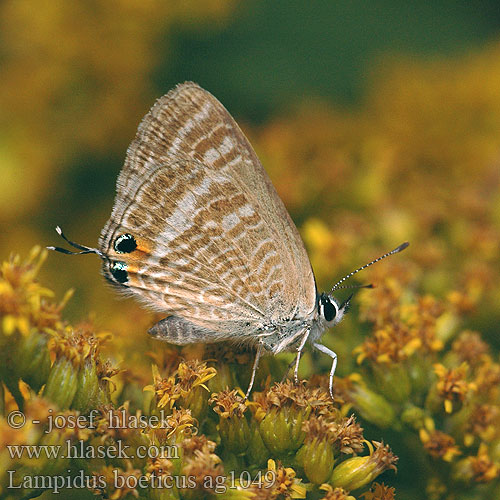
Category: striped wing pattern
[216,245]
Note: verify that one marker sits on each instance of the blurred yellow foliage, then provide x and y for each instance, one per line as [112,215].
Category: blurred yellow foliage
[70,83]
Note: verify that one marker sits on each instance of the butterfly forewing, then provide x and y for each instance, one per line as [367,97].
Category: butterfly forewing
[215,242]
[186,262]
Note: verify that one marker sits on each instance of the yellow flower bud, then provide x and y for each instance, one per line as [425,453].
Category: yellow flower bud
[357,472]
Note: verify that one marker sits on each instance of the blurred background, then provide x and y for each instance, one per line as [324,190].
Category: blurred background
[377,122]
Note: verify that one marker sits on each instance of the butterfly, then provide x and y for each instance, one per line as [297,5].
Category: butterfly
[199,233]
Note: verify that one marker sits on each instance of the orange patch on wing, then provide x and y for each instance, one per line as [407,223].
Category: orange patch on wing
[143,248]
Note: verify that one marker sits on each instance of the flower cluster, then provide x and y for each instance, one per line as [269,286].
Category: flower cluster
[420,372]
[183,437]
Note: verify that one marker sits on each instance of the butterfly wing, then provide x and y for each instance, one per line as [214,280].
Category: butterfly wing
[182,217]
[216,244]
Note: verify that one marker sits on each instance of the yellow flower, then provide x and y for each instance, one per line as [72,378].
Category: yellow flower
[379,492]
[194,373]
[285,482]
[182,383]
[23,301]
[480,468]
[452,386]
[439,445]
[228,404]
[164,388]
[233,426]
[335,493]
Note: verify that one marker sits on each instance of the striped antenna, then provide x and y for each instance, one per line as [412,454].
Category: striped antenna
[400,248]
[369,285]
[83,248]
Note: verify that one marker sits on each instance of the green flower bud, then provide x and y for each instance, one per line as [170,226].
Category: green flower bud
[25,357]
[414,417]
[90,462]
[462,471]
[233,426]
[257,451]
[235,433]
[2,401]
[354,473]
[103,396]
[132,392]
[495,450]
[62,383]
[317,459]
[197,401]
[88,386]
[433,403]
[8,367]
[164,493]
[281,429]
[189,386]
[53,465]
[33,359]
[234,493]
[421,373]
[372,406]
[223,379]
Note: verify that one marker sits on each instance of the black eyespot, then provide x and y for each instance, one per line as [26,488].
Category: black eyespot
[125,243]
[119,271]
[328,309]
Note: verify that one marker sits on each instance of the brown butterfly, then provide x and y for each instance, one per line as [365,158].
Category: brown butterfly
[198,232]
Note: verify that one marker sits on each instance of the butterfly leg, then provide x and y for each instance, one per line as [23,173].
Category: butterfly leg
[292,363]
[332,355]
[258,354]
[299,354]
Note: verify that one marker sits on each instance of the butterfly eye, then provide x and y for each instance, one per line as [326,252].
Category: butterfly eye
[119,271]
[327,308]
[125,243]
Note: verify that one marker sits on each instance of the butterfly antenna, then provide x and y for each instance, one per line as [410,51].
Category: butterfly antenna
[370,285]
[83,248]
[400,248]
